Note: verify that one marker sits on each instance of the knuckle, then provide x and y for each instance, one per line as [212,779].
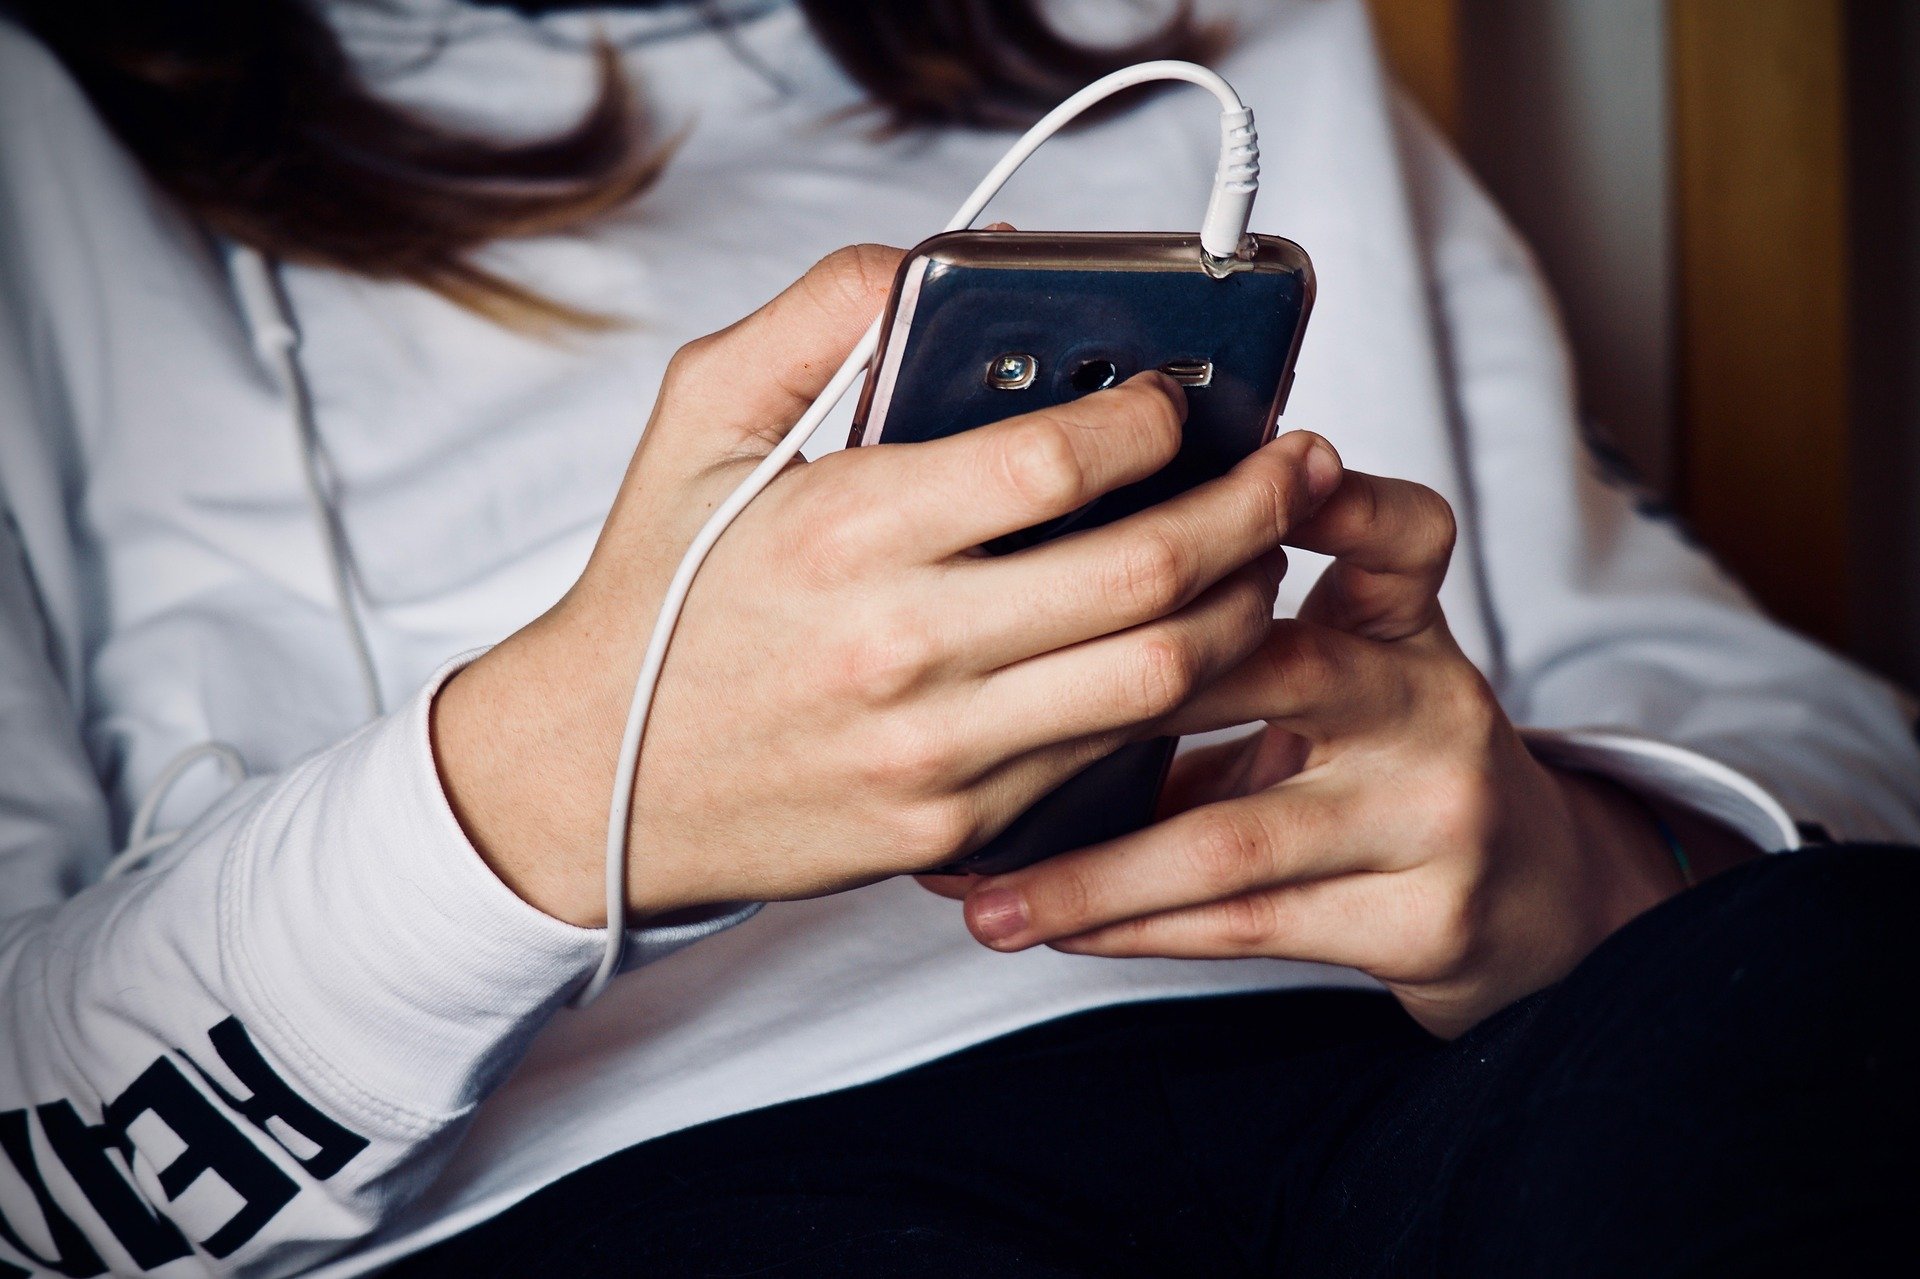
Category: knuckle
[1442,942]
[858,275]
[1435,527]
[1461,809]
[1252,606]
[933,832]
[689,364]
[886,663]
[1363,516]
[1127,937]
[1151,575]
[1167,671]
[1224,855]
[845,506]
[1269,488]
[907,758]
[820,546]
[1470,707]
[1067,905]
[1154,415]
[1247,923]
[1295,663]
[1041,468]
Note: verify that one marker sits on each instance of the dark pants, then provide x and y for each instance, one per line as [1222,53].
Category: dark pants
[1729,1086]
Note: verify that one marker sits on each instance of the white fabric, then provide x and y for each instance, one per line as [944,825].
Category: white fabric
[162,584]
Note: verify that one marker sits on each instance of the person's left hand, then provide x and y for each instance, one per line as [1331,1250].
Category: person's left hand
[1388,817]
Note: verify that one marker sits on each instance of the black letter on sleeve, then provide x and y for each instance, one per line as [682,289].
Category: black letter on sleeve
[150,1239]
[76,1256]
[273,1098]
[212,1145]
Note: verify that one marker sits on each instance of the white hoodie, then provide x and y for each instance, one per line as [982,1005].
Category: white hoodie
[316,1029]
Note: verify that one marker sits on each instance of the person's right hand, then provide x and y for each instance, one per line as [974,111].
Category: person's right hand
[854,690]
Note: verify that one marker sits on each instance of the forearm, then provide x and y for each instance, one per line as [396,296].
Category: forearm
[312,989]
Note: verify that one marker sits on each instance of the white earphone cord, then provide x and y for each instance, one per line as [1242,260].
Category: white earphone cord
[1236,182]
[276,342]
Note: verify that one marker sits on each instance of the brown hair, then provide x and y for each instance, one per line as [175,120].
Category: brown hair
[250,114]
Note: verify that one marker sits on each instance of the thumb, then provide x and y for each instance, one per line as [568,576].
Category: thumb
[740,390]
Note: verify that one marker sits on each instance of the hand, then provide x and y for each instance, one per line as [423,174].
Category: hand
[854,691]
[1387,817]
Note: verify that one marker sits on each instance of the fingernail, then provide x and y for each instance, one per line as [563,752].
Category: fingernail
[1323,472]
[996,914]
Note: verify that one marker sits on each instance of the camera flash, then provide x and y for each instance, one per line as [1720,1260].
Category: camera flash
[1012,372]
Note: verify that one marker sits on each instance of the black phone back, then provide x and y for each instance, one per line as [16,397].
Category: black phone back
[984,326]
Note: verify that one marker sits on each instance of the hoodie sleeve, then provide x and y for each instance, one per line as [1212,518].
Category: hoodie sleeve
[246,1055]
[240,1058]
[1624,648]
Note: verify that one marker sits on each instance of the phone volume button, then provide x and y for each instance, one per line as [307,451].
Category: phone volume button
[1286,393]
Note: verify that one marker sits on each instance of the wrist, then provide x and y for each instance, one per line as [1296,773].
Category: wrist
[1590,861]
[512,745]
[1628,863]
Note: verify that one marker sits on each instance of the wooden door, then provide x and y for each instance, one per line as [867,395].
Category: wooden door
[1759,162]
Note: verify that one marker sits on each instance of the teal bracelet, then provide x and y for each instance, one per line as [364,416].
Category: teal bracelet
[1671,840]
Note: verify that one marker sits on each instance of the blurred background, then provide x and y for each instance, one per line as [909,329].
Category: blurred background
[1726,197]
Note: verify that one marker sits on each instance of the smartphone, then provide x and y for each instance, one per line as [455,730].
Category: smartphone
[987,325]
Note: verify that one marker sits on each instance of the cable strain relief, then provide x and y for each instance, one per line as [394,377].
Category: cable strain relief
[261,307]
[1235,184]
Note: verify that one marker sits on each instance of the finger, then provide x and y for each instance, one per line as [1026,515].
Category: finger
[1287,835]
[1305,678]
[1228,770]
[967,489]
[1391,541]
[741,388]
[1334,921]
[1124,681]
[961,825]
[952,887]
[1146,565]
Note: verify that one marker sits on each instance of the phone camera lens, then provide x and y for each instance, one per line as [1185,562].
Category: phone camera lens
[1012,372]
[1095,375]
